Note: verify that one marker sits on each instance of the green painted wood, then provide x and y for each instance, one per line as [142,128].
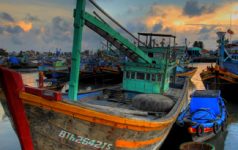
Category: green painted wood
[162,72]
[165,78]
[77,45]
[110,31]
[146,75]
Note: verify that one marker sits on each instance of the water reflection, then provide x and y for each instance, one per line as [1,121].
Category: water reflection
[8,138]
[196,79]
[232,137]
[30,79]
[2,114]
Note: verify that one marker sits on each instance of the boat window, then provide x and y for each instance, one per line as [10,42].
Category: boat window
[140,76]
[159,77]
[153,77]
[128,75]
[151,55]
[157,55]
[133,75]
[147,76]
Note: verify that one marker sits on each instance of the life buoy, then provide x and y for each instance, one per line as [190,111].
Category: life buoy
[200,130]
[215,127]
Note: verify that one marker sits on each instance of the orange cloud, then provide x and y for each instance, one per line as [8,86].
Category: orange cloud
[172,17]
[26,27]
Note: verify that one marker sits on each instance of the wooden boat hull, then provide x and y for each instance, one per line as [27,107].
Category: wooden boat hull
[73,133]
[218,79]
[65,125]
[53,130]
[190,73]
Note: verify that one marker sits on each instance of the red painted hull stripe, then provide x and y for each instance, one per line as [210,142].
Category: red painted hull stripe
[12,84]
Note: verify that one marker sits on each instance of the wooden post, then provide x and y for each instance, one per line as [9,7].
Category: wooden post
[41,80]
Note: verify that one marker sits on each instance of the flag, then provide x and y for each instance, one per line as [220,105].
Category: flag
[230,31]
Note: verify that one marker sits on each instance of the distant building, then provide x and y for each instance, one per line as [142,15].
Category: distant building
[194,51]
[180,50]
[205,52]
[3,52]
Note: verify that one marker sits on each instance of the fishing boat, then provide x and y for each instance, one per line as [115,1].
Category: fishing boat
[136,114]
[187,71]
[54,67]
[53,73]
[205,116]
[21,62]
[101,67]
[50,84]
[224,75]
[94,68]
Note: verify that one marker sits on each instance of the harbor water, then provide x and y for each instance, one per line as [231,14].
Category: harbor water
[223,141]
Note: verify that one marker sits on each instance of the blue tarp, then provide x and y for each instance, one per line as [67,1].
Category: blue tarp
[203,116]
[210,104]
[206,108]
[14,60]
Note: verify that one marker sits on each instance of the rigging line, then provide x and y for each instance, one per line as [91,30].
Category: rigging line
[114,21]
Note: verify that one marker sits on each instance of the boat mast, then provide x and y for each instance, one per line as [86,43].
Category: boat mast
[221,36]
[77,45]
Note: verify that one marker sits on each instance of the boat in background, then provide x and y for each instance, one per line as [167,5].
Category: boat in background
[224,75]
[135,114]
[53,72]
[205,116]
[186,71]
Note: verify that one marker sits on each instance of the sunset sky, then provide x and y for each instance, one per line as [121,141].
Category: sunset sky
[48,24]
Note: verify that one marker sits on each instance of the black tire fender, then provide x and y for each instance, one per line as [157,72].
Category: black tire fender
[224,125]
[200,130]
[215,127]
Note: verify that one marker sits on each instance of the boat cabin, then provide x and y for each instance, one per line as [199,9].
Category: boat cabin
[155,77]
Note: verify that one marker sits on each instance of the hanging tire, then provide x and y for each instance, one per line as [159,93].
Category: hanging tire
[215,127]
[200,130]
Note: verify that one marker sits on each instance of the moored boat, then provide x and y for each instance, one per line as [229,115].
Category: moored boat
[186,71]
[205,116]
[224,75]
[136,114]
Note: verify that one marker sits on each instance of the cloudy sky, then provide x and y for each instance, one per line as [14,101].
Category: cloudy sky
[48,24]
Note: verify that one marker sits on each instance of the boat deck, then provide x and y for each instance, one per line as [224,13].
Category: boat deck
[114,100]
